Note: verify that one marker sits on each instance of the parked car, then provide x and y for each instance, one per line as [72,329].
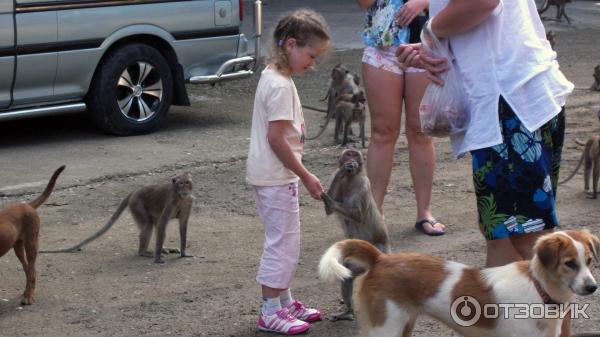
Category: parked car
[124,61]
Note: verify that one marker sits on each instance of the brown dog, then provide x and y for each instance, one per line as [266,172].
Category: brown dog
[20,229]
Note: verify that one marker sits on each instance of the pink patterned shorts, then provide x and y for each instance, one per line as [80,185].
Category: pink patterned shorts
[385,59]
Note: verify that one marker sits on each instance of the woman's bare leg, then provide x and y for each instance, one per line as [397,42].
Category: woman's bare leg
[420,148]
[384,91]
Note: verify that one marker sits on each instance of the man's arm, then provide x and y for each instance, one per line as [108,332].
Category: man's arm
[460,16]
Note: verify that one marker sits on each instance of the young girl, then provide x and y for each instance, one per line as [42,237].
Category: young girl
[274,166]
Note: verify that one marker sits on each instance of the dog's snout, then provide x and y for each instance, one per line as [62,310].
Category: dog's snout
[590,288]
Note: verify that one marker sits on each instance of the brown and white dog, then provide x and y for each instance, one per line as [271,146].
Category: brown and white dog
[396,288]
[20,229]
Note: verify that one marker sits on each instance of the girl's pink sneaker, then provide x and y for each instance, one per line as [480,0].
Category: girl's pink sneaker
[301,312]
[282,322]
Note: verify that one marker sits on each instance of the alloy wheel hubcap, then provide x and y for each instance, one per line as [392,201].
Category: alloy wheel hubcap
[139,91]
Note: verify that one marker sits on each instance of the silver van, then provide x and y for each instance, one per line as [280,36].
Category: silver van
[124,61]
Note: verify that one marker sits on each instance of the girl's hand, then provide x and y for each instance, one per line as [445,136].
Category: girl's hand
[410,10]
[313,185]
[413,55]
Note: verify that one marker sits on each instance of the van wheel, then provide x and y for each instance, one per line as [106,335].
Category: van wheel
[132,90]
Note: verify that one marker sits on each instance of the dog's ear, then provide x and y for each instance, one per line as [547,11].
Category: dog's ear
[594,244]
[547,249]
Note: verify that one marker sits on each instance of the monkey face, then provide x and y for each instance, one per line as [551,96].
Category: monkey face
[338,73]
[183,184]
[351,161]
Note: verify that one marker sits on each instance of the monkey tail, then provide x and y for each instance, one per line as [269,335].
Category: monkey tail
[324,125]
[37,202]
[96,235]
[331,266]
[313,108]
[575,170]
[544,7]
[578,142]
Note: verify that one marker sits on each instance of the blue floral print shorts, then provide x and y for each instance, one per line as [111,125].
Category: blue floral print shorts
[515,182]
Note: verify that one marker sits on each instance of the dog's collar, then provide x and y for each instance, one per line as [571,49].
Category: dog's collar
[543,294]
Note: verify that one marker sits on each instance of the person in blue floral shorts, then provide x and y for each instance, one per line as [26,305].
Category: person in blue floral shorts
[515,96]
[515,181]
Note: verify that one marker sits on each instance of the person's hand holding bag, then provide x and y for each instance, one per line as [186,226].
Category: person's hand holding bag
[443,110]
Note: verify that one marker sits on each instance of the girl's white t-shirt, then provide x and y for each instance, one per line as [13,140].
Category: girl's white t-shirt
[276,99]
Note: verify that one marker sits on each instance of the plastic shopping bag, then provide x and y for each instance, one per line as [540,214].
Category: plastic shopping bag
[443,110]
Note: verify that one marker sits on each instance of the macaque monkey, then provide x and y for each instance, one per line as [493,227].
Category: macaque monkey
[342,82]
[561,5]
[349,196]
[152,207]
[348,109]
[591,157]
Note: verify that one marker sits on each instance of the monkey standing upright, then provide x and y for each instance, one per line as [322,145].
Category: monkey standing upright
[590,156]
[152,207]
[349,195]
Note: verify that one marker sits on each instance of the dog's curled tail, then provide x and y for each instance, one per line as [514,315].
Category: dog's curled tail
[361,252]
[37,202]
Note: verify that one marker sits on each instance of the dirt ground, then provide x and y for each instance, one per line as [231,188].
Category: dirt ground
[106,290]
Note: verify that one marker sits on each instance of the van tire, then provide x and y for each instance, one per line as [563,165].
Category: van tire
[144,103]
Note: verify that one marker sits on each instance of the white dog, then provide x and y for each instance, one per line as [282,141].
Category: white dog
[396,288]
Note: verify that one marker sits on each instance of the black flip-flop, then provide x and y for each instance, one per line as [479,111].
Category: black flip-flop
[419,226]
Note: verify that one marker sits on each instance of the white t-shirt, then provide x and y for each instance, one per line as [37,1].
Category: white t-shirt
[276,99]
[507,55]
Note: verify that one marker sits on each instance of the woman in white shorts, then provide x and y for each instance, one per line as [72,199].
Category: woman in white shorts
[386,27]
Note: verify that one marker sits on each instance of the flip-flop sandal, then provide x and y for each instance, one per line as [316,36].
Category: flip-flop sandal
[419,226]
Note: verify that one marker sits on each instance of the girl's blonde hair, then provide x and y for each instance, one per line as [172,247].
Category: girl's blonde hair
[303,25]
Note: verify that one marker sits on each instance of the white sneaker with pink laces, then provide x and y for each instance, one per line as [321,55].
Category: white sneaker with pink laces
[282,322]
[301,312]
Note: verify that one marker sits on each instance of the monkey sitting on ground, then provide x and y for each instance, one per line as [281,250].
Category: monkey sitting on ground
[591,157]
[348,109]
[152,207]
[349,195]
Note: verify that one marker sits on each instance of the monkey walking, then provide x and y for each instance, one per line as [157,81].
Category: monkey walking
[349,195]
[591,157]
[152,207]
[348,109]
[560,8]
